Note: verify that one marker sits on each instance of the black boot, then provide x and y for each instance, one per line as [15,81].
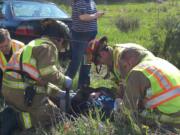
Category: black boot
[9,121]
[84,76]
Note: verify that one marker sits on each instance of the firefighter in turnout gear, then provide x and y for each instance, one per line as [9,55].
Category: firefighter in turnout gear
[152,87]
[33,77]
[8,47]
[100,53]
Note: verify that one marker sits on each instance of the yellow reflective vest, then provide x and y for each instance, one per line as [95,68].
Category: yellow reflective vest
[16,45]
[29,64]
[13,79]
[164,78]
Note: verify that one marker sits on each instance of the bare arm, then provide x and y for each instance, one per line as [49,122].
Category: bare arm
[90,17]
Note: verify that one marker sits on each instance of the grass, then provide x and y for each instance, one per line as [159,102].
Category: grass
[148,13]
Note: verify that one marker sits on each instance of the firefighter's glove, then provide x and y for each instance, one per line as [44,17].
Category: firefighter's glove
[117,104]
[29,95]
[68,82]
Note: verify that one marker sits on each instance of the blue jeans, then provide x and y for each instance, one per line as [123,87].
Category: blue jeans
[78,46]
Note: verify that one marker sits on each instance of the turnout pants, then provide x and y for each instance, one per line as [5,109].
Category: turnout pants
[43,112]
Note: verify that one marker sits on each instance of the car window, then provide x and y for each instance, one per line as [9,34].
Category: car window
[37,10]
[2,9]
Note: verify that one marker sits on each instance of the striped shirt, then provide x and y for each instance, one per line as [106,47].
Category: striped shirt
[81,7]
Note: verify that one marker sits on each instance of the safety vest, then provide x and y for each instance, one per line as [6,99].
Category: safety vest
[116,55]
[164,78]
[16,45]
[117,51]
[28,62]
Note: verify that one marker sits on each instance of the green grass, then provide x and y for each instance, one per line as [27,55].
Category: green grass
[148,13]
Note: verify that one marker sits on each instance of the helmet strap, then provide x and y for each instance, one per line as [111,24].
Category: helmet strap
[98,68]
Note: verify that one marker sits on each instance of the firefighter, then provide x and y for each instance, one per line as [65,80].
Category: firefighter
[100,53]
[33,78]
[8,47]
[152,87]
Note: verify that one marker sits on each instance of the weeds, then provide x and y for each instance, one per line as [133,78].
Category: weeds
[166,39]
[87,125]
[126,24]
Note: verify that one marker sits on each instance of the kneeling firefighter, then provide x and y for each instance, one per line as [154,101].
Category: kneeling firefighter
[32,77]
[152,88]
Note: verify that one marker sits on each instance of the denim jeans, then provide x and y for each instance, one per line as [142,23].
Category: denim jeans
[79,45]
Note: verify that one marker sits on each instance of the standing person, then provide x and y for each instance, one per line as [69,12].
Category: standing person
[8,47]
[152,87]
[84,29]
[32,77]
